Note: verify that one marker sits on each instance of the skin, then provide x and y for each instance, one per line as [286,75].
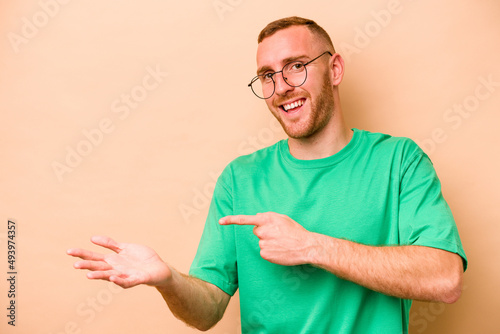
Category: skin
[316,130]
[409,272]
[198,303]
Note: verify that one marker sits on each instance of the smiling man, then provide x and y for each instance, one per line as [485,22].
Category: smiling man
[330,231]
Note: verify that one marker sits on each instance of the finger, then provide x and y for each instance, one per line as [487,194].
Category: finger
[92,265]
[242,220]
[104,275]
[123,282]
[85,254]
[257,232]
[106,242]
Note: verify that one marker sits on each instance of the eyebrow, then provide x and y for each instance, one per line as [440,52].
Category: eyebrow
[285,61]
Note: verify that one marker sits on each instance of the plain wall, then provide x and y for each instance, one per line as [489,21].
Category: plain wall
[144,170]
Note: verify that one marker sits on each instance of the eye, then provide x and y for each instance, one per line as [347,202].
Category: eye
[267,77]
[297,66]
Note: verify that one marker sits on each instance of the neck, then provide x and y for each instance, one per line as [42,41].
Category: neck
[327,142]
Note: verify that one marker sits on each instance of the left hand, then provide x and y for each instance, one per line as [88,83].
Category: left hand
[281,239]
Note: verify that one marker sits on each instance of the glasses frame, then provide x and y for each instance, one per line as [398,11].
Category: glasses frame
[284,79]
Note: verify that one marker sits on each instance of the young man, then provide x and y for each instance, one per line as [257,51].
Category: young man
[331,231]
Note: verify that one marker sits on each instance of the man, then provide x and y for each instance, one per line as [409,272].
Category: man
[331,231]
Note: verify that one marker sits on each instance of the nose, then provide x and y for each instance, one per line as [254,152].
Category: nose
[281,87]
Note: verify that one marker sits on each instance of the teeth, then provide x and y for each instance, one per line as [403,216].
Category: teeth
[293,105]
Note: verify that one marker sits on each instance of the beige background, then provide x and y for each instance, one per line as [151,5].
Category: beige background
[65,67]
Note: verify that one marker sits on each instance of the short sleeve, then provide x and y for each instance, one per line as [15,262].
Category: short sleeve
[215,259]
[424,216]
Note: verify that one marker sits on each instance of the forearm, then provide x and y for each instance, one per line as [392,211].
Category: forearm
[410,272]
[197,303]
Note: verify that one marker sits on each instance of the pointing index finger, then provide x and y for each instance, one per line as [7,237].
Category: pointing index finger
[241,220]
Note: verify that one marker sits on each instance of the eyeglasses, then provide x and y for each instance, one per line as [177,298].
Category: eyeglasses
[294,74]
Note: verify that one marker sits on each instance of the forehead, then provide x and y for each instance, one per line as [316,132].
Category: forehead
[286,43]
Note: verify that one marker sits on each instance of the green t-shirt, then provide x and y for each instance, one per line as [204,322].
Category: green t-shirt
[378,190]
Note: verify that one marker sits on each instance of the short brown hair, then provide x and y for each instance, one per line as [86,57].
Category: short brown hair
[286,22]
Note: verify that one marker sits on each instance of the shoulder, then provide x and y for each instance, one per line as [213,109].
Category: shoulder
[258,158]
[255,162]
[385,144]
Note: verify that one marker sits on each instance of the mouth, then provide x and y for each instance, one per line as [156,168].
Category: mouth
[292,106]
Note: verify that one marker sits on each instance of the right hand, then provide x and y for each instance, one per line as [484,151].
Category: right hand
[128,266]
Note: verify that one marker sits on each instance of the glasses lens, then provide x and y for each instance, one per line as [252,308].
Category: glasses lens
[262,87]
[295,74]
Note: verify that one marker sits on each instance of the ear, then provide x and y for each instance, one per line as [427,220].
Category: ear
[337,69]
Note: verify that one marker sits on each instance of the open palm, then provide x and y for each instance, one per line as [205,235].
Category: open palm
[128,265]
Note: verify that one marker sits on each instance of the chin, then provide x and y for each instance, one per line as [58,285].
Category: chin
[299,133]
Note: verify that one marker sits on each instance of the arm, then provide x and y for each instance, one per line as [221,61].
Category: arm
[409,272]
[196,302]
